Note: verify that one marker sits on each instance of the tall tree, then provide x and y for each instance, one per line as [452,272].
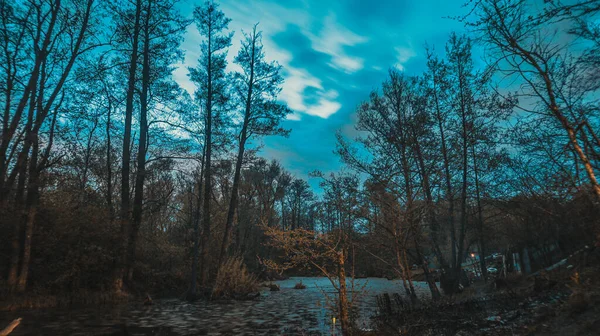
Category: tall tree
[162,34]
[48,32]
[127,30]
[210,77]
[155,33]
[257,87]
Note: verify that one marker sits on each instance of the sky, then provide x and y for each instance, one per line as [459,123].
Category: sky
[333,53]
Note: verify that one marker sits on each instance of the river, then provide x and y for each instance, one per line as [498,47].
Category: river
[286,312]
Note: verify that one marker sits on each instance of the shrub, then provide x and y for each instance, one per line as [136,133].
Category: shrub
[234,280]
[299,285]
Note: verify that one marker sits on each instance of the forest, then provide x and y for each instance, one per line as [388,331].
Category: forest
[118,185]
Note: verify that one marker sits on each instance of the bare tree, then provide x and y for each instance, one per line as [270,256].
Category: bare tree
[257,87]
[210,76]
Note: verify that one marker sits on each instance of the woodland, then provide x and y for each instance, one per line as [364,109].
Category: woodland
[117,184]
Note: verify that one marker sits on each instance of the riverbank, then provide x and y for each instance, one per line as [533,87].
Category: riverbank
[28,301]
[560,301]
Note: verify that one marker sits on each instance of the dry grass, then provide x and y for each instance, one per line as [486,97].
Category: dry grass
[234,280]
[44,301]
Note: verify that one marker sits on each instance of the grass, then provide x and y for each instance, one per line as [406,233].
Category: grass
[234,281]
[12,302]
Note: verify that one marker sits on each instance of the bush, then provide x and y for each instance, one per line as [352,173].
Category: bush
[299,285]
[234,280]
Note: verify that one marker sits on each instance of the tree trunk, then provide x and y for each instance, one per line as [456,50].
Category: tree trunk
[465,167]
[406,278]
[194,276]
[343,297]
[109,188]
[447,176]
[15,244]
[430,206]
[482,251]
[121,263]
[204,269]
[240,157]
[413,293]
[435,293]
[31,209]
[10,327]
[142,148]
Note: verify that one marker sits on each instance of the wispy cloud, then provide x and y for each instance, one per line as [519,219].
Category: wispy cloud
[403,55]
[332,39]
[326,105]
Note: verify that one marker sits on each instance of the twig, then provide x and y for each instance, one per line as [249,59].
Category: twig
[10,327]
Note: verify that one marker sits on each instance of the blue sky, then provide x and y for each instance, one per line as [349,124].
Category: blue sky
[333,54]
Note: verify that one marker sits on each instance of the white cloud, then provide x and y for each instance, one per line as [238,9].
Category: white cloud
[348,64]
[293,95]
[402,56]
[332,40]
[294,116]
[324,108]
[295,83]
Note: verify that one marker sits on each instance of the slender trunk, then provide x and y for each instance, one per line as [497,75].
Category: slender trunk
[407,283]
[15,244]
[447,176]
[240,157]
[31,209]
[204,269]
[465,167]
[429,203]
[40,63]
[194,276]
[233,202]
[435,293]
[343,296]
[109,188]
[142,148]
[121,263]
[283,214]
[413,293]
[482,251]
[36,165]
[20,202]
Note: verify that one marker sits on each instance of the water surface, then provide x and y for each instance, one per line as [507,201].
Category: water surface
[286,312]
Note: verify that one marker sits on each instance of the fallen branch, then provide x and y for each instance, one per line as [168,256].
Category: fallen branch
[10,327]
